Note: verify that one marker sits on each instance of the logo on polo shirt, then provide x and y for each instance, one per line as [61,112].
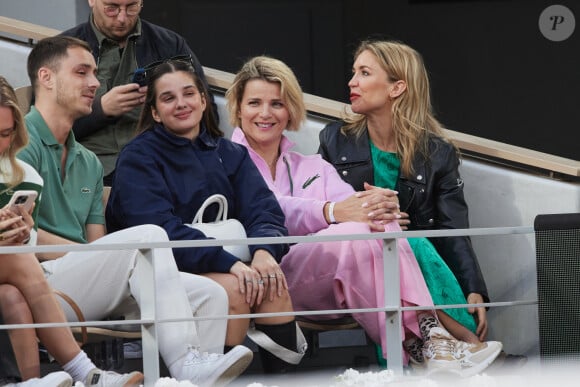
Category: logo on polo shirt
[85,190]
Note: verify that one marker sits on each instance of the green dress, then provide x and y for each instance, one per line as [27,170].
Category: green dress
[441,282]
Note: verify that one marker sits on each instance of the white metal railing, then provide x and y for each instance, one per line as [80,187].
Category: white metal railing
[392,307]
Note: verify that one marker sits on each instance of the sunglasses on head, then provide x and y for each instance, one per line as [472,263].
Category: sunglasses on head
[140,74]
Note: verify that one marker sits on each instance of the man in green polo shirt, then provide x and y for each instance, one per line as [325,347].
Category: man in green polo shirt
[51,151]
[77,200]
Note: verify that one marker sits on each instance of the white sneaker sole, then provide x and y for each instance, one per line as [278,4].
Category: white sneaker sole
[57,379]
[136,379]
[443,372]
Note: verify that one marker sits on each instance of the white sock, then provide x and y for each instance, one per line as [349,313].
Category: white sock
[79,367]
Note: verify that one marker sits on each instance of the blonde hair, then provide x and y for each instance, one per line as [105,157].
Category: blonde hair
[413,117]
[19,138]
[274,71]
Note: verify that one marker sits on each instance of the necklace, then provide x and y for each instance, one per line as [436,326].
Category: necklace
[271,163]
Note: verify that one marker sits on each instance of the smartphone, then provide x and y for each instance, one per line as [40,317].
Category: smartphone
[139,77]
[22,199]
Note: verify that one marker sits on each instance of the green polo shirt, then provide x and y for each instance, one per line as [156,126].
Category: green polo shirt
[70,203]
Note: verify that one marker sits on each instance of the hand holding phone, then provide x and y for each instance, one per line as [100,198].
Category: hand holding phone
[23,199]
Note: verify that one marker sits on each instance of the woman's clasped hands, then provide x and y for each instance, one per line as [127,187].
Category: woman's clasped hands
[262,278]
[374,206]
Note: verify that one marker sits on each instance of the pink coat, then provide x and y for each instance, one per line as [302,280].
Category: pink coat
[334,275]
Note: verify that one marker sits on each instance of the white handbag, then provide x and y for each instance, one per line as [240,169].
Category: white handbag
[222,227]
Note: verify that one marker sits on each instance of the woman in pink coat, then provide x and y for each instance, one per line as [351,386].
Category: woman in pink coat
[264,100]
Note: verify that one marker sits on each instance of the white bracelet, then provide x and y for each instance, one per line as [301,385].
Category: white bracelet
[331,213]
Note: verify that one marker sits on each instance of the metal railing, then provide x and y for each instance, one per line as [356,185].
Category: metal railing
[149,320]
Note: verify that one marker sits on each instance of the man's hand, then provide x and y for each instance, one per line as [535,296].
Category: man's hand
[122,99]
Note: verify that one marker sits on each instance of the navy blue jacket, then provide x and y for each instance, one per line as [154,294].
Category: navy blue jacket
[433,196]
[163,179]
[155,43]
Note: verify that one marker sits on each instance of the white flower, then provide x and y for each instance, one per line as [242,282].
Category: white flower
[482,380]
[352,377]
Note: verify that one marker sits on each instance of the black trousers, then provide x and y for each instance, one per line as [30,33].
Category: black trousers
[8,368]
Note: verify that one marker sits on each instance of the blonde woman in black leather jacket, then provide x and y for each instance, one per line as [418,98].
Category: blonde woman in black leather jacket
[392,114]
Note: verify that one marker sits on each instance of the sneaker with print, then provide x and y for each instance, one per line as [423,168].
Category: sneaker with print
[414,348]
[439,352]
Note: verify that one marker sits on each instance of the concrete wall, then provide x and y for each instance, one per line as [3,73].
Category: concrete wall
[59,14]
[13,66]
[499,196]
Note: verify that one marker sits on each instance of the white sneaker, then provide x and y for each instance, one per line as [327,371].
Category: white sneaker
[212,369]
[439,350]
[100,378]
[474,358]
[54,379]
